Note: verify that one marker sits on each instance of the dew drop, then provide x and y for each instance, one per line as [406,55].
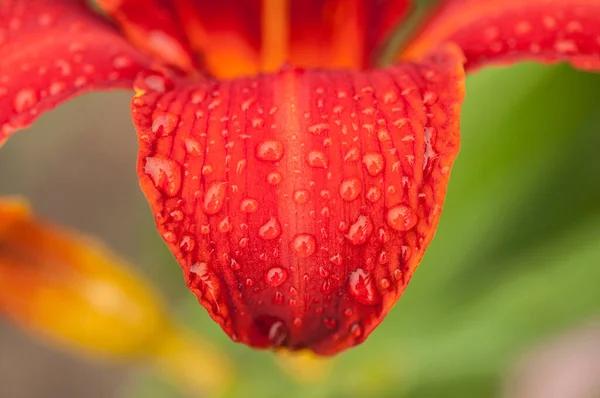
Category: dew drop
[248,205]
[152,81]
[277,333]
[25,100]
[362,288]
[301,196]
[373,194]
[360,230]
[350,189]
[224,225]
[316,159]
[270,230]
[303,245]
[269,150]
[276,276]
[165,174]
[187,244]
[192,147]
[274,178]
[373,163]
[356,330]
[215,197]
[336,259]
[164,123]
[297,322]
[401,218]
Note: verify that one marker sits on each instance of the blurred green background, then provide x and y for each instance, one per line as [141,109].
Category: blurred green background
[515,262]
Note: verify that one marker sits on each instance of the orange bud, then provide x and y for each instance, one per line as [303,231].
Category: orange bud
[71,291]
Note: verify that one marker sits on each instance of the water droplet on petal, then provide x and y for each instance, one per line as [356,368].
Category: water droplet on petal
[360,230]
[301,196]
[270,230]
[373,163]
[25,100]
[316,159]
[277,333]
[269,150]
[356,330]
[362,288]
[165,173]
[336,259]
[274,178]
[373,194]
[401,218]
[215,197]
[152,81]
[248,205]
[192,147]
[164,123]
[303,245]
[350,189]
[276,276]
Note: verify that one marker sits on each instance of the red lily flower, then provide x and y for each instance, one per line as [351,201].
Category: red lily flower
[298,203]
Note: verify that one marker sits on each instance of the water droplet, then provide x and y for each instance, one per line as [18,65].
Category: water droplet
[225,225]
[303,245]
[122,62]
[362,288]
[248,205]
[192,147]
[269,150]
[327,287]
[373,194]
[301,196]
[384,283]
[350,189]
[336,259]
[318,129]
[270,230]
[373,163]
[276,276]
[187,244]
[274,178]
[352,155]
[215,197]
[297,322]
[165,174]
[356,330]
[401,218]
[397,274]
[152,81]
[360,230]
[277,333]
[25,100]
[164,123]
[323,272]
[383,257]
[316,159]
[430,98]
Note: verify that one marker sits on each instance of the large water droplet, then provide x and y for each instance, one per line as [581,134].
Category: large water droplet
[165,174]
[270,230]
[350,189]
[373,163]
[269,150]
[215,197]
[303,245]
[362,288]
[360,230]
[276,276]
[401,218]
[152,81]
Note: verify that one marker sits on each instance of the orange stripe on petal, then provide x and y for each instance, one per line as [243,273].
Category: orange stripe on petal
[300,203]
[52,51]
[508,31]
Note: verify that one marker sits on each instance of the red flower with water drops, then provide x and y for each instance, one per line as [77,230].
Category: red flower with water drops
[298,201]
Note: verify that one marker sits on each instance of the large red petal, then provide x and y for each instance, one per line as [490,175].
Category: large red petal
[299,204]
[507,31]
[53,50]
[152,25]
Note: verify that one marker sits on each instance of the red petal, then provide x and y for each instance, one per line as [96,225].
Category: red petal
[152,25]
[263,189]
[53,50]
[507,31]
